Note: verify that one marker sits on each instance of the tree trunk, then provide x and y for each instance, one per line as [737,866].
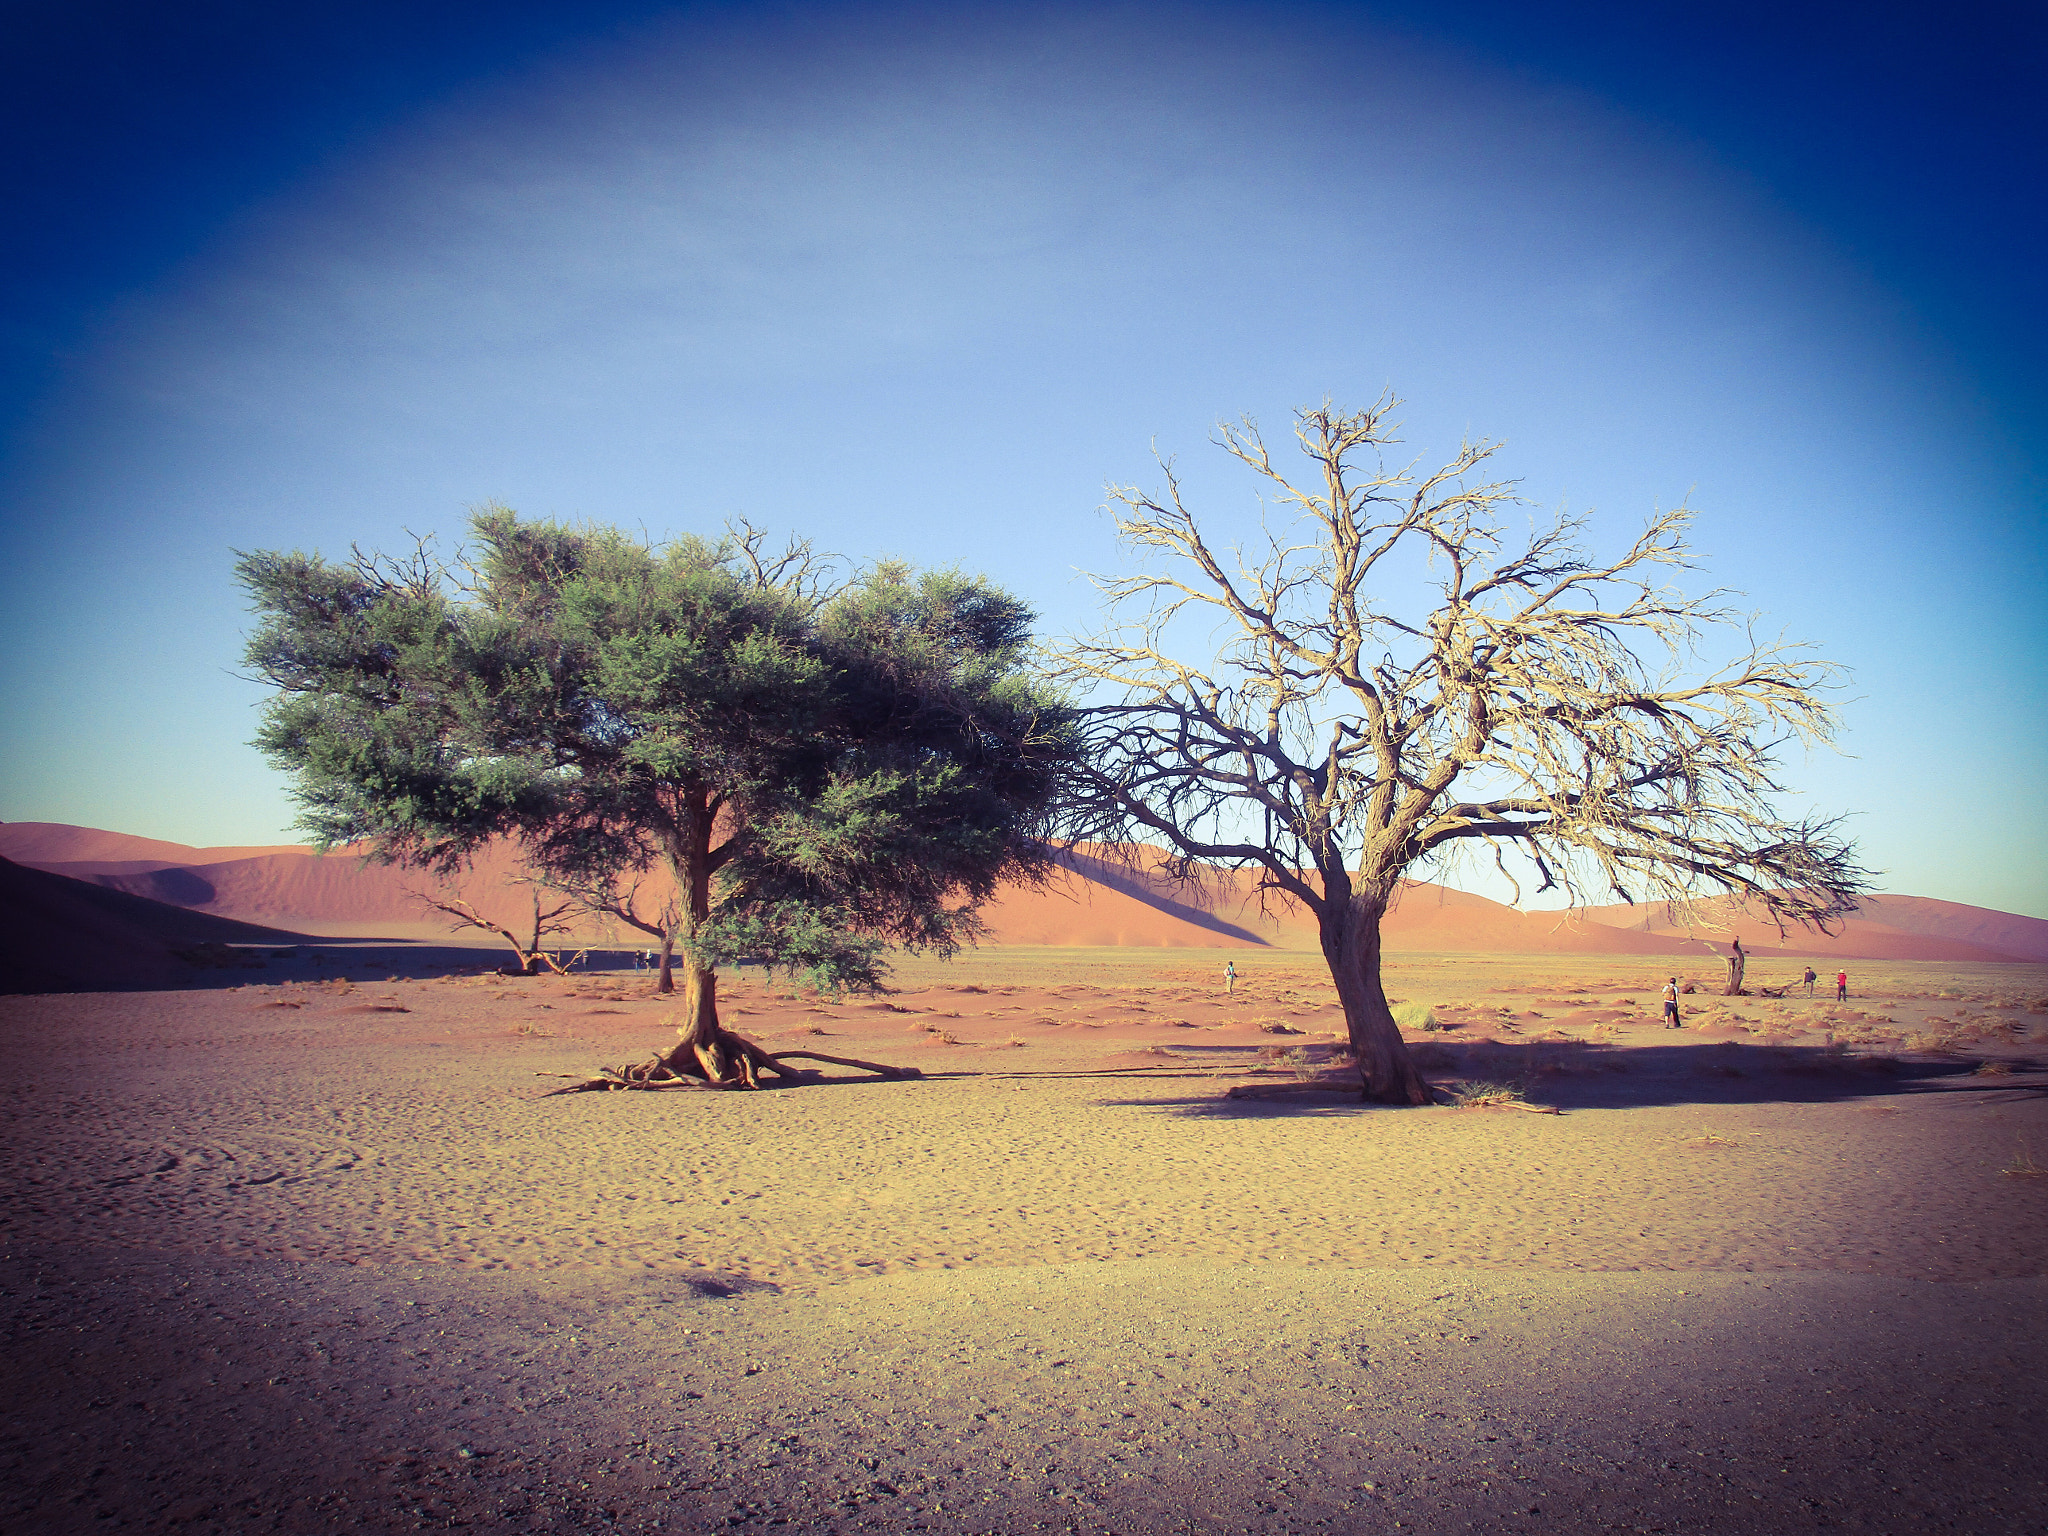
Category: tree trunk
[700,1003]
[666,982]
[705,1054]
[1351,945]
[703,1047]
[1737,963]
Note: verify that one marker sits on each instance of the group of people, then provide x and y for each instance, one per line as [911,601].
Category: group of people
[1670,989]
[1808,979]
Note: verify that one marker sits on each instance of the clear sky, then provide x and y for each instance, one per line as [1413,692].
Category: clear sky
[918,281]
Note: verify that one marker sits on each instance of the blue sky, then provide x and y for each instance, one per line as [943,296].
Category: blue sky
[919,281]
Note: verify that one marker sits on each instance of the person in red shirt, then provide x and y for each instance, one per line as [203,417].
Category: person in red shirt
[1841,986]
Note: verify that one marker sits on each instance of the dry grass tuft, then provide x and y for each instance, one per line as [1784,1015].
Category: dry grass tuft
[1708,1141]
[2023,1166]
[1417,1016]
[1993,1069]
[1485,1095]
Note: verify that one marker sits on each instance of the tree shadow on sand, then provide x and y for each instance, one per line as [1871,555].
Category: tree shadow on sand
[1579,1076]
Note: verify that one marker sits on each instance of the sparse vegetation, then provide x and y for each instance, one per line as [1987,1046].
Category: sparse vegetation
[1494,1095]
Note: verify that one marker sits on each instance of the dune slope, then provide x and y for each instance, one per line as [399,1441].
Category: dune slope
[64,935]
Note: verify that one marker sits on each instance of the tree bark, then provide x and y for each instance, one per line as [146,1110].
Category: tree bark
[1350,932]
[1737,963]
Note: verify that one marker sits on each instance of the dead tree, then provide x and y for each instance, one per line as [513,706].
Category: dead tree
[1737,963]
[615,898]
[1527,697]
[533,958]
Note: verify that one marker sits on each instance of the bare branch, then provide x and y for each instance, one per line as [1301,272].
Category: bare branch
[1537,700]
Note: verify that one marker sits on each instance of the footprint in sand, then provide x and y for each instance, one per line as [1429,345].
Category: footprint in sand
[280,1158]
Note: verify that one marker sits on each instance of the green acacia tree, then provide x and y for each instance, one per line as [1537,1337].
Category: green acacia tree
[822,771]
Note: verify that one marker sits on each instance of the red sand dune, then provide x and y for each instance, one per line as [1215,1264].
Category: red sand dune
[1886,928]
[1104,899]
[1101,900]
[63,935]
[291,884]
[41,843]
[1425,917]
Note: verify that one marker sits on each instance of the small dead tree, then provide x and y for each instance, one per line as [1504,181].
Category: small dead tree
[1738,962]
[1536,699]
[546,923]
[617,898]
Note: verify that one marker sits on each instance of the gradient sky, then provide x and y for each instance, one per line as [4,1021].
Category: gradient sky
[919,281]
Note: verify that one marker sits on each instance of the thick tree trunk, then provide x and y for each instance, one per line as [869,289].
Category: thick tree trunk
[703,1047]
[1351,945]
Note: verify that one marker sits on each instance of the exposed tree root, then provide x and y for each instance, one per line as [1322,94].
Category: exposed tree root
[725,1061]
[608,1078]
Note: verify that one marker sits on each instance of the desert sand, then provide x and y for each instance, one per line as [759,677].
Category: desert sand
[304,1247]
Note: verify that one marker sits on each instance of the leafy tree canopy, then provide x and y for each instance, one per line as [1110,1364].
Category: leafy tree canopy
[825,770]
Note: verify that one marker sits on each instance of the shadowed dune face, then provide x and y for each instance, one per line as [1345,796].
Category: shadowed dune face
[61,935]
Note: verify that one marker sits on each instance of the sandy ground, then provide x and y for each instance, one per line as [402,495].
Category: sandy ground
[305,1249]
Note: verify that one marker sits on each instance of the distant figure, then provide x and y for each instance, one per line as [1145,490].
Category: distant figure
[1230,976]
[1841,986]
[1671,1003]
[1809,978]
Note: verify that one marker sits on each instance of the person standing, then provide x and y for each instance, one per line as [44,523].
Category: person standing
[1809,978]
[1671,1003]
[1841,986]
[1229,976]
